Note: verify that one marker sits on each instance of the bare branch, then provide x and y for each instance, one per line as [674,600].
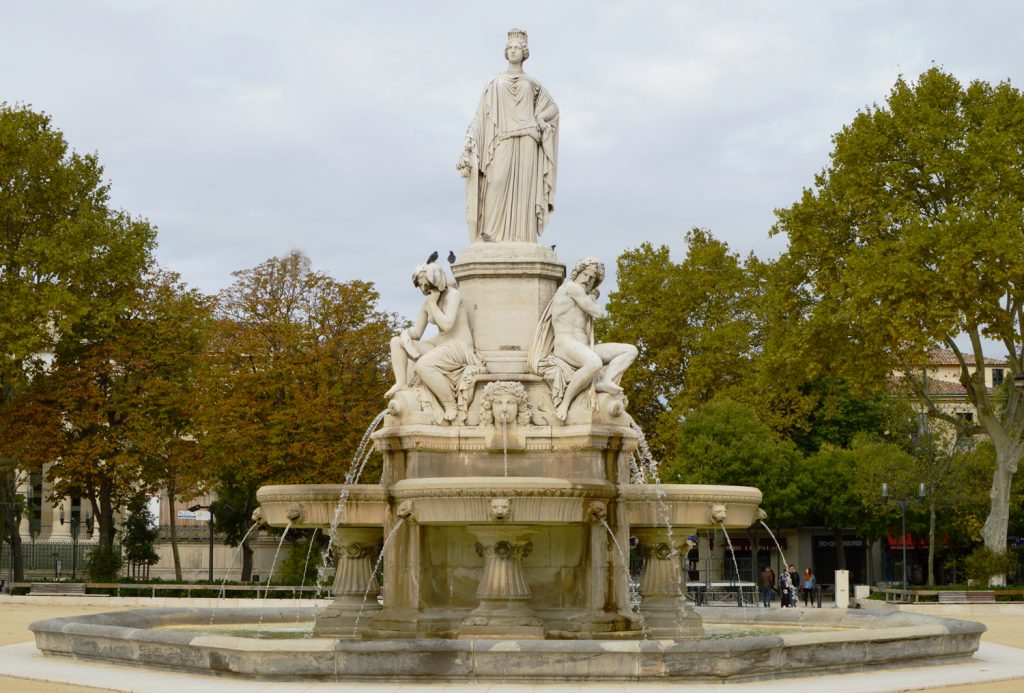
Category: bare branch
[919,386]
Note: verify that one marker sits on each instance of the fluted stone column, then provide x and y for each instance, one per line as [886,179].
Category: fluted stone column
[61,532]
[503,591]
[355,587]
[667,611]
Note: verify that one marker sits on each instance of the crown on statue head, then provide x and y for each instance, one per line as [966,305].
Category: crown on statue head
[516,35]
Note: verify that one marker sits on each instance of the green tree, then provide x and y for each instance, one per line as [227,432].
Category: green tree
[168,333]
[724,442]
[908,240]
[140,532]
[296,369]
[67,262]
[842,487]
[694,323]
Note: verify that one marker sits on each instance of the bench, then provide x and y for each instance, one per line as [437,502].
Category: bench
[967,597]
[76,589]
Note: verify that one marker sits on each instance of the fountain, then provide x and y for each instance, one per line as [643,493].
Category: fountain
[509,489]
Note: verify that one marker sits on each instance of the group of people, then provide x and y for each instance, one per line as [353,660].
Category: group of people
[788,584]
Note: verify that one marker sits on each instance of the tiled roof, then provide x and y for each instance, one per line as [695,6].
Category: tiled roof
[944,387]
[945,357]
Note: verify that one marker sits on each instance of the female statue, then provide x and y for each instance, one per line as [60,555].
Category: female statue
[511,154]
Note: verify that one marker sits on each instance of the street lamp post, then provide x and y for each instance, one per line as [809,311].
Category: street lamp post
[903,521]
[74,546]
[210,509]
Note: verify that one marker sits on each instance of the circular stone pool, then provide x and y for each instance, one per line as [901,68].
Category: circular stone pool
[812,641]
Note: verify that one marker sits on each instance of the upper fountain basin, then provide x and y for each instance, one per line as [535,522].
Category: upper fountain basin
[314,505]
[690,505]
[512,499]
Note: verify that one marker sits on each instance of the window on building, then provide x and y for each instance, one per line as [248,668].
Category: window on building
[965,416]
[997,377]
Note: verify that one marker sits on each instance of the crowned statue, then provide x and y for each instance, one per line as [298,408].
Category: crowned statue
[511,154]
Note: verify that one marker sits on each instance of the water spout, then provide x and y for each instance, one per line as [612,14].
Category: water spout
[373,574]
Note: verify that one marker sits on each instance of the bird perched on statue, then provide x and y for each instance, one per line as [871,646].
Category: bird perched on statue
[451,257]
[433,257]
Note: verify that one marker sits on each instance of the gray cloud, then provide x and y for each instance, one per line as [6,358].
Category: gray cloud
[246,129]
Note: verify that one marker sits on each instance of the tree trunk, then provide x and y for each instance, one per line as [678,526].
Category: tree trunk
[246,561]
[993,533]
[12,521]
[104,514]
[931,541]
[172,515]
[17,558]
[840,550]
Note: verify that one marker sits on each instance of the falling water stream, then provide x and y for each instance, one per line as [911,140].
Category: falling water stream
[373,574]
[266,592]
[359,460]
[618,546]
[231,566]
[636,476]
[777,545]
[649,467]
[305,566]
[732,552]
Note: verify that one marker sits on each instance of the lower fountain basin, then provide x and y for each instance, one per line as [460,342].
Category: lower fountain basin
[862,639]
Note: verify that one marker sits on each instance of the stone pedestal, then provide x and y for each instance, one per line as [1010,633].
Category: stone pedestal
[25,526]
[505,288]
[666,611]
[355,586]
[504,594]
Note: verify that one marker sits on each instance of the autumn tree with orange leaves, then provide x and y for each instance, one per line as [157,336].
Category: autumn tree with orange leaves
[296,369]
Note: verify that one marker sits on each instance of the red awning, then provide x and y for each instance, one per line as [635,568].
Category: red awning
[895,541]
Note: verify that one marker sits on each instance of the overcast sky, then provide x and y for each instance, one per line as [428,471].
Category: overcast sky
[244,130]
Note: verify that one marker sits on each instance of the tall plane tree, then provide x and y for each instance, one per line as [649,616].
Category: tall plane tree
[67,263]
[910,239]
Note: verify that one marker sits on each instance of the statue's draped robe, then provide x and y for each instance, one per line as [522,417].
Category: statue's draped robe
[511,186]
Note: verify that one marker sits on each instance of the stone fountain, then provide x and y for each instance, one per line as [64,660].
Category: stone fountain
[506,505]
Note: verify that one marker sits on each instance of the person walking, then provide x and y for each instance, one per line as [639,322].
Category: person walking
[767,586]
[807,586]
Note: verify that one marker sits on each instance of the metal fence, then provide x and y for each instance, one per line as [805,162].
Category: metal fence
[44,556]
